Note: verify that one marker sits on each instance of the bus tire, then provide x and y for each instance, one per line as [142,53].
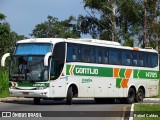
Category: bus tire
[140,95]
[69,96]
[131,96]
[37,101]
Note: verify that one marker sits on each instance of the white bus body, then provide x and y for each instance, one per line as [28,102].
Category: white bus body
[65,68]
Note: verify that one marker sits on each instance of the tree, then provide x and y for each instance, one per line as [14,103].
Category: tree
[8,38]
[130,21]
[121,20]
[54,28]
[4,35]
[111,19]
[153,25]
[103,26]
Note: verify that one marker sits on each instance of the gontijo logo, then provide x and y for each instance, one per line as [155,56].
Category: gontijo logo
[82,70]
[86,71]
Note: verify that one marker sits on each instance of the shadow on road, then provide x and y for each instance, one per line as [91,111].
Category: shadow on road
[59,102]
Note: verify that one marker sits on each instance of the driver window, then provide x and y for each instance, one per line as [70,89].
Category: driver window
[52,71]
[22,65]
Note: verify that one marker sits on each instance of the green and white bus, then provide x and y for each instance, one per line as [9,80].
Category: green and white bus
[56,68]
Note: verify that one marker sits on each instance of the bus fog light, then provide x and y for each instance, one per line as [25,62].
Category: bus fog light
[12,87]
[44,93]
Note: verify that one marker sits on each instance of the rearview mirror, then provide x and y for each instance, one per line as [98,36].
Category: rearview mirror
[46,57]
[4,59]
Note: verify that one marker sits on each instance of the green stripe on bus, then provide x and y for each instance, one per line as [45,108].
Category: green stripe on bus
[89,71]
[122,72]
[146,74]
[80,70]
[118,82]
[31,84]
[67,69]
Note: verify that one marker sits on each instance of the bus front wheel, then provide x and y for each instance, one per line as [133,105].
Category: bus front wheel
[69,96]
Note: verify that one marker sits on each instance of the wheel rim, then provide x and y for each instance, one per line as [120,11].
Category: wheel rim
[140,96]
[131,96]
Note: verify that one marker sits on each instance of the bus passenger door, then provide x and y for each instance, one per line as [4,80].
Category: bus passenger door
[57,80]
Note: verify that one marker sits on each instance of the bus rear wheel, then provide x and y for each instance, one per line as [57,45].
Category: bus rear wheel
[37,101]
[69,96]
[140,95]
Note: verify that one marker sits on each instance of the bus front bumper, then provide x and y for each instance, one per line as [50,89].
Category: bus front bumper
[29,93]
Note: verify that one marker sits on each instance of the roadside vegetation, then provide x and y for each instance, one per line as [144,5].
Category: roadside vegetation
[4,83]
[159,90]
[147,112]
[148,107]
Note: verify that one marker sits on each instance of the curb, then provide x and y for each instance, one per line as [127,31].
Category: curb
[131,112]
[153,99]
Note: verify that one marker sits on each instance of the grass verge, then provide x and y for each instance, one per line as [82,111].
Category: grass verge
[4,83]
[147,112]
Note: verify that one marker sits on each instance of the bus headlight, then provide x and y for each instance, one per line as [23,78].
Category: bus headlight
[12,87]
[41,88]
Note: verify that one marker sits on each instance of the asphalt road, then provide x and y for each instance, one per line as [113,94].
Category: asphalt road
[81,108]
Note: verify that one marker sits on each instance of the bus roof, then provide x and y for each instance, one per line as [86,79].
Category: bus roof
[86,41]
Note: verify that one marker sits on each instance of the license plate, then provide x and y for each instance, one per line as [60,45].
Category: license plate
[25,93]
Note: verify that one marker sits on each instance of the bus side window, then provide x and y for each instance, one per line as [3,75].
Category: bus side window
[135,59]
[114,56]
[98,55]
[141,59]
[88,54]
[154,58]
[111,56]
[73,53]
[85,53]
[119,62]
[148,60]
[69,53]
[126,57]
[92,55]
[105,56]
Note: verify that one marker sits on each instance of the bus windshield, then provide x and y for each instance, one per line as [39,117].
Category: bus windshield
[33,49]
[28,68]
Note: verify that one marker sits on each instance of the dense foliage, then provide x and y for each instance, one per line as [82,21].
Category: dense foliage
[114,20]
[8,38]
